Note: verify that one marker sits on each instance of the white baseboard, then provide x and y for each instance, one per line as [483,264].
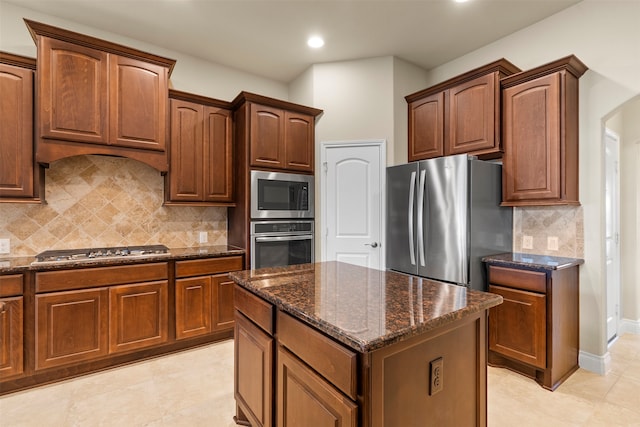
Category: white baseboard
[597,364]
[628,326]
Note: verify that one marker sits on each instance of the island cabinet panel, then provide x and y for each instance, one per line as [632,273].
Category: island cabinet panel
[201,154]
[19,175]
[138,316]
[540,127]
[254,375]
[71,327]
[535,331]
[306,399]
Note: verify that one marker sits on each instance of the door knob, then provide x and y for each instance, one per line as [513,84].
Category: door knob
[373,245]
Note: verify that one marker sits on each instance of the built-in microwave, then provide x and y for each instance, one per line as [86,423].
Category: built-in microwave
[278,195]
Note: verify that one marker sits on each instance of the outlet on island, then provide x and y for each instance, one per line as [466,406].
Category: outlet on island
[436,380]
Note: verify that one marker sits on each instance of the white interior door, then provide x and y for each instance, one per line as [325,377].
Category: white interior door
[612,232]
[353,202]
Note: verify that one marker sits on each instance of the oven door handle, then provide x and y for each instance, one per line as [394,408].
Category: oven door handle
[283,238]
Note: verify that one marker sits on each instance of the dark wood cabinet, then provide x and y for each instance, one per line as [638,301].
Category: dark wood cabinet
[281,139]
[71,327]
[201,152]
[204,296]
[138,316]
[535,331]
[540,126]
[97,97]
[20,177]
[11,326]
[460,115]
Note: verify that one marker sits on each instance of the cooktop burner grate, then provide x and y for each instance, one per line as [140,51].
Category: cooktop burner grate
[70,255]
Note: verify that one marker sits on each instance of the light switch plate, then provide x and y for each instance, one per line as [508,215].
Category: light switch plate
[527,242]
[5,246]
[204,237]
[552,243]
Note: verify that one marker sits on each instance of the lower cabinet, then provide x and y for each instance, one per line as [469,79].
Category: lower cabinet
[204,296]
[11,326]
[535,331]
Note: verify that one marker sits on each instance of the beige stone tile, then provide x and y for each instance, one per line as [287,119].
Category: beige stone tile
[587,385]
[625,393]
[610,415]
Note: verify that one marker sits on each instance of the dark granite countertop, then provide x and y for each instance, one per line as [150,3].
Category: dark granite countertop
[12,265]
[519,260]
[362,308]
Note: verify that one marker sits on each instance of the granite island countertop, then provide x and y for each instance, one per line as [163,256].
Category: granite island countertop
[11,265]
[363,308]
[532,261]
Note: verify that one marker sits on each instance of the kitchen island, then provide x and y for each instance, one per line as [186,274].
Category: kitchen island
[336,344]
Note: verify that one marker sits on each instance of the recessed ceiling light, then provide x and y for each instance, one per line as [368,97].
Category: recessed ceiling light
[460,1]
[315,42]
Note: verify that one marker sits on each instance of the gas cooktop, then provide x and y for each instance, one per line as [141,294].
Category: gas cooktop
[88,254]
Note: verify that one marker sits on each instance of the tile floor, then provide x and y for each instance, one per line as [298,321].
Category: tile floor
[195,388]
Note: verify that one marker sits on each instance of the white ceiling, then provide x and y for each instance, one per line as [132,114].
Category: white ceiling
[268,38]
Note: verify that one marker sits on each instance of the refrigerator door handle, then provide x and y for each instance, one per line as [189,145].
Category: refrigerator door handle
[412,188]
[421,189]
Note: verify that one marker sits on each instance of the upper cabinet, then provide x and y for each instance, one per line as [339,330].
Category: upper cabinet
[200,151]
[20,177]
[279,134]
[540,128]
[97,97]
[460,115]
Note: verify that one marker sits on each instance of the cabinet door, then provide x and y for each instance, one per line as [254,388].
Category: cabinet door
[186,179]
[267,137]
[138,316]
[71,327]
[11,333]
[517,327]
[222,302]
[532,140]
[426,127]
[193,307]
[253,372]
[72,100]
[472,119]
[16,132]
[305,399]
[218,155]
[138,103]
[299,141]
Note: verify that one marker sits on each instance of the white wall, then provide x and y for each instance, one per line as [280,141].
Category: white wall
[190,74]
[605,35]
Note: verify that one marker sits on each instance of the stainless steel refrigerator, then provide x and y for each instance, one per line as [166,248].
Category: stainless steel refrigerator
[443,216]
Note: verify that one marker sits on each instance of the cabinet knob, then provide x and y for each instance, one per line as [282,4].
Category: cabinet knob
[3,306]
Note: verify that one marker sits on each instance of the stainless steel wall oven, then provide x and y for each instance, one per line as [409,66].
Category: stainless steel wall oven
[281,243]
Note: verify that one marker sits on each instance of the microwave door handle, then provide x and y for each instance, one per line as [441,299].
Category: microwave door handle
[282,238]
[412,188]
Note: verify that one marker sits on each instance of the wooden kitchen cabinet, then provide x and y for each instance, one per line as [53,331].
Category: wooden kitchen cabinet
[201,151]
[20,177]
[97,97]
[535,331]
[540,126]
[204,296]
[460,115]
[11,326]
[138,316]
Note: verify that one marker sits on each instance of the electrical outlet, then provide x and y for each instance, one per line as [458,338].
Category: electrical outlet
[436,379]
[204,238]
[552,243]
[527,242]
[5,246]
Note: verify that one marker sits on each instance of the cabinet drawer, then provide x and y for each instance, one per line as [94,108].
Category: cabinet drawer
[330,359]
[11,285]
[535,281]
[256,309]
[201,267]
[100,276]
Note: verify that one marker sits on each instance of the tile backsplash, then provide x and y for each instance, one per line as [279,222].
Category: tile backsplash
[97,201]
[541,222]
